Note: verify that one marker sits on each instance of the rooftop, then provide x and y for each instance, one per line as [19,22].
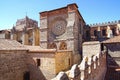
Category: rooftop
[7,44]
[105,23]
[115,39]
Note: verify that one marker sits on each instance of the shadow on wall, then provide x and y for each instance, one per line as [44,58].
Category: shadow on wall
[111,61]
[113,47]
[113,73]
[34,70]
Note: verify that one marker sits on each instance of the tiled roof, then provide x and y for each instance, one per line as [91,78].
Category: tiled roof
[38,49]
[7,44]
[115,39]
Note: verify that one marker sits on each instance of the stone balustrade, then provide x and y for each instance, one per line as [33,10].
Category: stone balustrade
[93,68]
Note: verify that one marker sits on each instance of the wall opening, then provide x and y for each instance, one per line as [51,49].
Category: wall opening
[52,46]
[102,47]
[69,61]
[27,75]
[103,32]
[95,32]
[113,32]
[38,62]
[63,46]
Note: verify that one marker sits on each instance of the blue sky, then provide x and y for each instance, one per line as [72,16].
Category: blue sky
[93,11]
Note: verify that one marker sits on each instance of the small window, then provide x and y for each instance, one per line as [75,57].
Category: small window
[38,62]
[63,46]
[52,46]
[69,62]
[27,75]
[95,32]
[102,47]
[113,31]
[104,32]
[87,34]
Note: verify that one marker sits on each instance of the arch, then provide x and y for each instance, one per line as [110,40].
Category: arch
[63,46]
[52,46]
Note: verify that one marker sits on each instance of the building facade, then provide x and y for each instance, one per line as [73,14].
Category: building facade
[62,29]
[56,46]
[5,34]
[26,32]
[103,31]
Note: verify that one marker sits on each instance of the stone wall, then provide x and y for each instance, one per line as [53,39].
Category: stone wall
[93,68]
[63,61]
[47,64]
[12,65]
[91,48]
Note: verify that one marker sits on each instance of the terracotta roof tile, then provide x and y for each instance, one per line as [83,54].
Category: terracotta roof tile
[7,44]
[115,39]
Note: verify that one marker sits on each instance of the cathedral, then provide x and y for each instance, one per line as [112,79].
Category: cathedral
[64,47]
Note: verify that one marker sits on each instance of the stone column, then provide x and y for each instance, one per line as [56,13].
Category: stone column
[82,70]
[23,38]
[109,32]
[33,42]
[118,29]
[44,29]
[11,35]
[99,33]
[89,65]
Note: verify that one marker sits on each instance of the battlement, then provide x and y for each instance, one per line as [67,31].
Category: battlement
[105,23]
[89,69]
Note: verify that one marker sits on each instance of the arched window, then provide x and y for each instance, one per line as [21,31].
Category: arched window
[52,46]
[63,46]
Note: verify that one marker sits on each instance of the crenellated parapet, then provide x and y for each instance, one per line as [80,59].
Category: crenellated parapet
[93,68]
[105,23]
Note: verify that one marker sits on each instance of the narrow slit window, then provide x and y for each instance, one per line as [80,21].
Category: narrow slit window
[38,62]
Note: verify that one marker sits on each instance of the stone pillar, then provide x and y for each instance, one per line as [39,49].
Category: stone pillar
[23,38]
[82,75]
[109,32]
[36,36]
[33,42]
[118,29]
[94,60]
[99,33]
[44,29]
[82,69]
[11,35]
[89,65]
[74,72]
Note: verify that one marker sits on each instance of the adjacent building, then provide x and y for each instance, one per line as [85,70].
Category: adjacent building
[4,34]
[26,31]
[113,58]
[103,31]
